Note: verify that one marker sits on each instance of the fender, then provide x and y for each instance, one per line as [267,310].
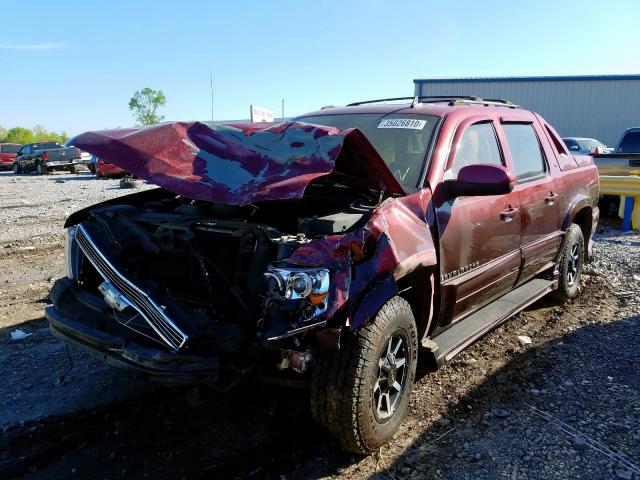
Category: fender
[404,245]
[577,203]
[372,301]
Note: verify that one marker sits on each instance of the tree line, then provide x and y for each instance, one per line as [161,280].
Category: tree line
[144,104]
[31,135]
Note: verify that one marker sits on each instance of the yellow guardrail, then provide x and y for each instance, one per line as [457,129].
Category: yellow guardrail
[620,185]
[628,187]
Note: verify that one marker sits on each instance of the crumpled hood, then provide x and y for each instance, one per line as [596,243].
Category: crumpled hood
[240,164]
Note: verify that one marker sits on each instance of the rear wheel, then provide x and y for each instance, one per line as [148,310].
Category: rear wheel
[73,169]
[360,393]
[41,168]
[571,264]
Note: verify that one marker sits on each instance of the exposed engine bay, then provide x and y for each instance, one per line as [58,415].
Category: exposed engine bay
[217,273]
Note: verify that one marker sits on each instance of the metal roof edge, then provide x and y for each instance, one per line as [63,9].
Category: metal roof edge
[539,78]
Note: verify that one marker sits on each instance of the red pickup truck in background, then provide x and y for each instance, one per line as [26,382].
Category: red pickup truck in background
[340,246]
[8,153]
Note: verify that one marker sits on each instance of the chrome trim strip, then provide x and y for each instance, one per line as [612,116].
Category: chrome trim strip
[140,301]
[297,331]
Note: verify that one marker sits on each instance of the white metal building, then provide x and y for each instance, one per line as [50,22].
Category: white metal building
[594,106]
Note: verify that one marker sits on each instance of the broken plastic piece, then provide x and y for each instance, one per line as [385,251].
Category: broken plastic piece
[19,334]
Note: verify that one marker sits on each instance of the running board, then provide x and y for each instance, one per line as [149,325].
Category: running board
[463,333]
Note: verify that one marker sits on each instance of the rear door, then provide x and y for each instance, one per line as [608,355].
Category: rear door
[541,200]
[479,236]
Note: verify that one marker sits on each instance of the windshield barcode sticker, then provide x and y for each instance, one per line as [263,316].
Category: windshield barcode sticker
[402,123]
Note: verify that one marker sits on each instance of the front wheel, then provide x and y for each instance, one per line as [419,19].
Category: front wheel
[360,393]
[41,168]
[570,264]
[17,169]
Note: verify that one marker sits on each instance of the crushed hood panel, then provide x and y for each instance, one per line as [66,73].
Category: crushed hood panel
[240,164]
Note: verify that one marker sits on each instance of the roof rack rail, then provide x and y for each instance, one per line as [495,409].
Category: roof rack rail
[435,98]
[499,100]
[452,100]
[486,102]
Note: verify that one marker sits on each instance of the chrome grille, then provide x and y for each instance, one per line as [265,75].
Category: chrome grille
[140,301]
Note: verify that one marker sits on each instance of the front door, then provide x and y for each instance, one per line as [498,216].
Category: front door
[479,236]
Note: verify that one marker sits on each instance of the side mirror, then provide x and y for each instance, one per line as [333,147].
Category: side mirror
[479,180]
[574,148]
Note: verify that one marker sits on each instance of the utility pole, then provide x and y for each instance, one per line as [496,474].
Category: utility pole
[282,118]
[211,84]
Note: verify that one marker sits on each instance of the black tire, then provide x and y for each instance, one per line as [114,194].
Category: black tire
[570,264]
[73,169]
[346,384]
[17,169]
[128,182]
[41,168]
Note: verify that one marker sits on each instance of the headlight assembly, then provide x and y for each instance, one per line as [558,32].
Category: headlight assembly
[301,283]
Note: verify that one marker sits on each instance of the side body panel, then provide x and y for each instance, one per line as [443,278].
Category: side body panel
[479,237]
[486,266]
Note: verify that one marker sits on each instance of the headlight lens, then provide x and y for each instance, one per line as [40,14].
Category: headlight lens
[295,284]
[71,254]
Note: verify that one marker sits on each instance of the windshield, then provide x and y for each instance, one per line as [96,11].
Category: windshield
[630,143]
[401,139]
[10,148]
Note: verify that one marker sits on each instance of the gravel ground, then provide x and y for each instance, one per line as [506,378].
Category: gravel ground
[33,209]
[566,405]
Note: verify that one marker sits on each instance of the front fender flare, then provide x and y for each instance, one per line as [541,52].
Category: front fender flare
[383,290]
[577,204]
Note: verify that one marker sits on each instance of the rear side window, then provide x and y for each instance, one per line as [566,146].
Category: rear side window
[10,148]
[526,154]
[630,143]
[477,145]
[559,146]
[46,146]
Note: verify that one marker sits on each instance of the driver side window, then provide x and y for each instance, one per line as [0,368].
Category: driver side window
[477,145]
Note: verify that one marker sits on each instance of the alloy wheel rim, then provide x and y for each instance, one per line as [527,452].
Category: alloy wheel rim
[392,373]
[574,266]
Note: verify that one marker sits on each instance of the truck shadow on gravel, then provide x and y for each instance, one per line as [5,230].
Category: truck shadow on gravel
[262,431]
[507,426]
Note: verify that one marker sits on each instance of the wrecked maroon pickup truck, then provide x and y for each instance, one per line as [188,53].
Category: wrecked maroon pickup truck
[341,246]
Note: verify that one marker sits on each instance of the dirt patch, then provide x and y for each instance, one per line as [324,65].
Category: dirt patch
[471,417]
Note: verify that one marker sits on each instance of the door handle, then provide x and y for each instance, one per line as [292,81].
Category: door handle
[549,199]
[508,213]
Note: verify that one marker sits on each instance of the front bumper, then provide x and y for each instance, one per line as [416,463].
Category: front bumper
[161,366]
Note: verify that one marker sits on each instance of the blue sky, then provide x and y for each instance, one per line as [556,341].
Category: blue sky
[73,65]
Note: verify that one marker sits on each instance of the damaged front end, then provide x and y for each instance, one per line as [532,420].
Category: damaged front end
[192,279]
[186,289]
